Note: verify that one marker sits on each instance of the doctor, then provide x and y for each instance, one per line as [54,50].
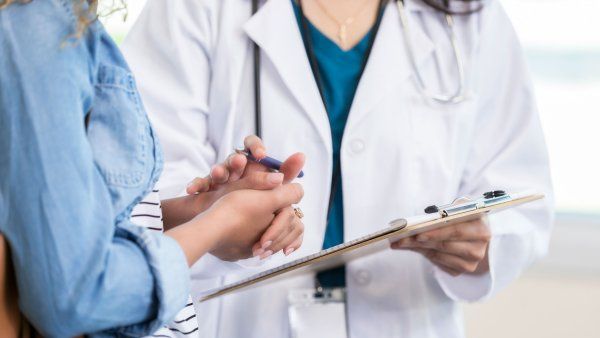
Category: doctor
[396,105]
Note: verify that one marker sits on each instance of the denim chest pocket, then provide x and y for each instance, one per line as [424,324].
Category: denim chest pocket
[119,130]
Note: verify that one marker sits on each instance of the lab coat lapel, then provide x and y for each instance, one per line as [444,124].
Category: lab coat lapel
[274,28]
[388,65]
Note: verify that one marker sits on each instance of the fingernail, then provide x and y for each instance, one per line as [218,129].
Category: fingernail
[288,251]
[190,184]
[266,245]
[422,238]
[258,252]
[275,178]
[266,255]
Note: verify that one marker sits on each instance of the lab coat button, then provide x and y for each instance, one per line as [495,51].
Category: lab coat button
[357,146]
[362,277]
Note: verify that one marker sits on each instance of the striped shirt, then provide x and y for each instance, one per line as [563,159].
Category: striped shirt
[148,214]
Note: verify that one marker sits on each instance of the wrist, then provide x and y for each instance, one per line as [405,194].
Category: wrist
[209,225]
[197,237]
[180,210]
[200,202]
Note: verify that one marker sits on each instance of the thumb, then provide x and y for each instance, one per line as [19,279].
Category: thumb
[292,166]
[286,195]
[259,180]
[198,185]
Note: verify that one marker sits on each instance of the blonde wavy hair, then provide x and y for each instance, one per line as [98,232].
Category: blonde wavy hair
[87,11]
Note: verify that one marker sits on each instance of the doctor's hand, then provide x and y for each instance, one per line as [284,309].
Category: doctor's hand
[237,173]
[237,167]
[456,249]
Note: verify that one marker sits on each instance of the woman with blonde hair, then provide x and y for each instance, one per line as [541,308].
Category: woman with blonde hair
[78,165]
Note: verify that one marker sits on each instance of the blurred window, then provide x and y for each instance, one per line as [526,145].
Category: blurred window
[562,43]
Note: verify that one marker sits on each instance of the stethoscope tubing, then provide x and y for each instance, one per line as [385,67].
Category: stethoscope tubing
[458,96]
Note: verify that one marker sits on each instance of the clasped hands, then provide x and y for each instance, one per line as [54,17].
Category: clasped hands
[243,208]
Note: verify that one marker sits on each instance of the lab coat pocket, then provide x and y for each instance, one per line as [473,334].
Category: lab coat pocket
[442,138]
[119,124]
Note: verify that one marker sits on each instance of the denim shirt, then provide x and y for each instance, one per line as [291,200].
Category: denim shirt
[67,189]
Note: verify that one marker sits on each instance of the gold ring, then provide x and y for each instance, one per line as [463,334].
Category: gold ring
[299,213]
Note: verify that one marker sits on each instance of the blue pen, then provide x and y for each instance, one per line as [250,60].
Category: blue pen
[268,162]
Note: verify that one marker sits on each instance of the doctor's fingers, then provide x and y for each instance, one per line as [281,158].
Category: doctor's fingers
[198,185]
[235,164]
[469,250]
[294,246]
[229,171]
[256,147]
[285,195]
[219,174]
[292,166]
[476,230]
[452,264]
[257,180]
[285,229]
[254,167]
[292,241]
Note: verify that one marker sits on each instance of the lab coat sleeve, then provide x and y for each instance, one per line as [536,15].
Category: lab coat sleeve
[508,152]
[169,50]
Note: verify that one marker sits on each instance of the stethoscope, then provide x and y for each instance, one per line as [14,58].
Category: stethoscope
[459,95]
[448,7]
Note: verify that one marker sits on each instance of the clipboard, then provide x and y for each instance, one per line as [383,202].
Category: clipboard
[435,217]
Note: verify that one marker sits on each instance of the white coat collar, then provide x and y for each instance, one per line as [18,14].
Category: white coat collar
[388,65]
[274,28]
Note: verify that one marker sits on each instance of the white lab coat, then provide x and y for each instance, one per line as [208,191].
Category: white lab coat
[400,152]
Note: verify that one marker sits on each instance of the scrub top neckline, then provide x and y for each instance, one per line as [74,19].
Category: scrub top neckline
[326,42]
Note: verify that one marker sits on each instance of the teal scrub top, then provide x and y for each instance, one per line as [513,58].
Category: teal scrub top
[340,74]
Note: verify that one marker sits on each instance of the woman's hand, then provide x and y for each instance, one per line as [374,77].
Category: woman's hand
[224,186]
[457,249]
[285,233]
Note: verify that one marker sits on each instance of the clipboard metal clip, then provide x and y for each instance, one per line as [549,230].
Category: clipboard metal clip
[462,205]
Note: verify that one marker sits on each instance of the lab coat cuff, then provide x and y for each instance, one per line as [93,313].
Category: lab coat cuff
[467,287]
[509,253]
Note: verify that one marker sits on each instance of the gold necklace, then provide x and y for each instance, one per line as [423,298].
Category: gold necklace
[343,25]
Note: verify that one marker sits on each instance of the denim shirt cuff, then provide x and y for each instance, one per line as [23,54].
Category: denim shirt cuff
[169,268]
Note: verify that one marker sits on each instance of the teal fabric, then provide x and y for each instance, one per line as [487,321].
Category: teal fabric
[340,73]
